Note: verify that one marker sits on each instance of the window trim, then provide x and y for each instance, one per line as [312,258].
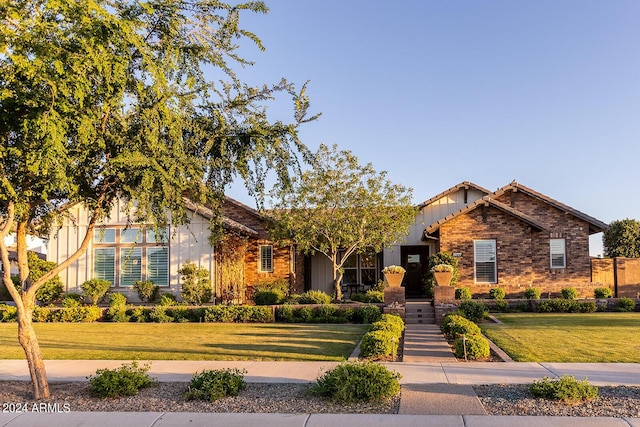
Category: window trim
[495,260]
[264,259]
[563,253]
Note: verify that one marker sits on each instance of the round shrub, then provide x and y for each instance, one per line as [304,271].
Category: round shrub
[532,293]
[476,346]
[603,293]
[393,327]
[379,343]
[95,289]
[268,297]
[473,310]
[626,304]
[72,300]
[565,389]
[215,384]
[569,293]
[369,314]
[123,381]
[497,293]
[168,299]
[357,381]
[455,325]
[463,293]
[146,290]
[314,297]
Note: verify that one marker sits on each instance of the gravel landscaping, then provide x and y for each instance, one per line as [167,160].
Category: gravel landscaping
[294,398]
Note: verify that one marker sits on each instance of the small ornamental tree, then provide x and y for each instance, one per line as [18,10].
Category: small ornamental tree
[196,284]
[622,239]
[339,208]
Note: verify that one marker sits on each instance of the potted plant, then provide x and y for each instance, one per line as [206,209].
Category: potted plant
[393,274]
[442,273]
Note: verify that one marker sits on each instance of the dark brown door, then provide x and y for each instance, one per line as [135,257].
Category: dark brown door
[415,259]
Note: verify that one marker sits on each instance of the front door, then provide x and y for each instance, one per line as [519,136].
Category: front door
[415,260]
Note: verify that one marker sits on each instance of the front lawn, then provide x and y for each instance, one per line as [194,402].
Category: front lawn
[590,338]
[187,341]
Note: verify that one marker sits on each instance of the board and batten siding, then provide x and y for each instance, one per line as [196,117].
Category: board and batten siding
[186,243]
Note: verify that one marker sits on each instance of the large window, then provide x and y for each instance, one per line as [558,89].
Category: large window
[558,255]
[123,256]
[485,261]
[266,259]
[360,269]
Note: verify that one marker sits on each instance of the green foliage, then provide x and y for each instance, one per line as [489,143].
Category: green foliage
[278,284]
[117,300]
[72,300]
[95,289]
[501,305]
[369,314]
[216,384]
[196,285]
[497,293]
[146,290]
[473,310]
[569,293]
[474,346]
[314,297]
[124,381]
[463,293]
[239,314]
[75,314]
[139,315]
[339,204]
[369,297]
[357,381]
[603,293]
[158,314]
[565,389]
[561,305]
[622,239]
[268,297]
[117,311]
[8,313]
[389,322]
[626,304]
[168,299]
[454,325]
[442,258]
[379,343]
[327,314]
[532,293]
[50,290]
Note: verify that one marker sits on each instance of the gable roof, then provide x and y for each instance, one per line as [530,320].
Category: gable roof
[487,201]
[227,223]
[462,186]
[595,225]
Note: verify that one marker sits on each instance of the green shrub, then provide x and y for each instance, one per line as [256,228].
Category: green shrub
[368,314]
[475,345]
[52,289]
[357,381]
[117,311]
[168,299]
[40,314]
[123,381]
[532,293]
[8,313]
[374,297]
[569,293]
[215,384]
[521,306]
[268,297]
[602,293]
[558,305]
[146,290]
[314,297]
[196,285]
[238,314]
[473,310]
[278,284]
[463,293]
[158,314]
[626,304]
[139,314]
[75,314]
[95,289]
[565,389]
[497,293]
[286,313]
[379,343]
[389,322]
[327,313]
[117,300]
[182,314]
[501,305]
[72,300]
[454,325]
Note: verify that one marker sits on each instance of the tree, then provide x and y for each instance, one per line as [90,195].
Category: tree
[622,239]
[106,99]
[339,208]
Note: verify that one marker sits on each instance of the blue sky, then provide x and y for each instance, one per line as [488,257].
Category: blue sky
[546,92]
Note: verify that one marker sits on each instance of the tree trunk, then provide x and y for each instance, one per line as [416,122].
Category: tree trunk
[29,342]
[337,279]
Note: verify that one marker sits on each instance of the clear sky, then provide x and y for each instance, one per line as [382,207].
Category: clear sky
[546,92]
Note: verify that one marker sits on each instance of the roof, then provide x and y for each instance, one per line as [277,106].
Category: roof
[487,201]
[462,186]
[595,225]
[227,223]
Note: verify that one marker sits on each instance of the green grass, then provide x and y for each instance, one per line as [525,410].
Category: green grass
[590,338]
[186,341]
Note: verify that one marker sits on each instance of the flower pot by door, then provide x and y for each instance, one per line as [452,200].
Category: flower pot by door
[394,279]
[443,278]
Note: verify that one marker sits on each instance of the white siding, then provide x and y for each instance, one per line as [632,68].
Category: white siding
[321,273]
[190,243]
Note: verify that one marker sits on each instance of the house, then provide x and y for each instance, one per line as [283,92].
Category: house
[513,238]
[124,252]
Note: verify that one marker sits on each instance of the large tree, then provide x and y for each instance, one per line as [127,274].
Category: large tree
[339,208]
[106,99]
[622,239]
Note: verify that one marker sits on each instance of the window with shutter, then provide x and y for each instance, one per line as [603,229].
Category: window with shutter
[558,255]
[158,265]
[104,264]
[485,261]
[130,266]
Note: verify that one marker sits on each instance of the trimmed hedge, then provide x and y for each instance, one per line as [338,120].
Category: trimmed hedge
[383,337]
[327,314]
[561,305]
[473,310]
[454,325]
[238,314]
[475,345]
[67,314]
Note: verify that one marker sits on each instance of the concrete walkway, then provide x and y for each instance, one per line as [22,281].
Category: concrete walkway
[424,343]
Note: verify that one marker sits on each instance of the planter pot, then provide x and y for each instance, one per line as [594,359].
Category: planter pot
[394,279]
[443,278]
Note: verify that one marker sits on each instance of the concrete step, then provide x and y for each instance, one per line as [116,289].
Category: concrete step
[417,313]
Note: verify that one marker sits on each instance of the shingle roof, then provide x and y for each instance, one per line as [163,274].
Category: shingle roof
[227,223]
[462,185]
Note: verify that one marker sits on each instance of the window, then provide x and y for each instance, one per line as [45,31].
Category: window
[360,269]
[557,250]
[266,258]
[485,261]
[123,256]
